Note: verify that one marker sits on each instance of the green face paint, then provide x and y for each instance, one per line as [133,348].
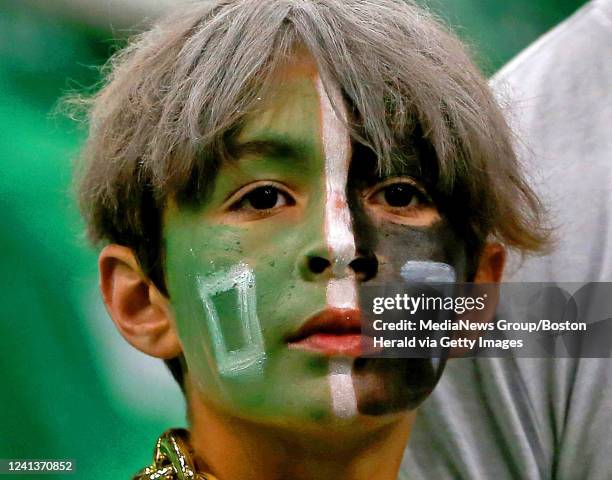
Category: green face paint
[236,278]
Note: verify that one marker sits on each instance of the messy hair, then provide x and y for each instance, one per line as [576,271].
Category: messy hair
[159,124]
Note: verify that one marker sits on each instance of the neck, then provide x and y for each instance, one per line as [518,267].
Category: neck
[232,448]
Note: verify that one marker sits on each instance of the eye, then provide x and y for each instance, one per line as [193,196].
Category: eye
[401,200]
[398,195]
[263,198]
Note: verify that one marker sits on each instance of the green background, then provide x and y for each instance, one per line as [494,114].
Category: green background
[70,387]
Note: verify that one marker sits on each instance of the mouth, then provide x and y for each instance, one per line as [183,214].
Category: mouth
[331,332]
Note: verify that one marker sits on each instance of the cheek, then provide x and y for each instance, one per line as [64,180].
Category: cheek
[228,282]
[405,254]
[236,294]
[403,250]
[214,296]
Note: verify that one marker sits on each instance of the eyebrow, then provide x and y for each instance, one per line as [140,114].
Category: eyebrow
[272,147]
[298,152]
[406,163]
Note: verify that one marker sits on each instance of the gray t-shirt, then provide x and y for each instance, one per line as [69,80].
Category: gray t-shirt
[541,418]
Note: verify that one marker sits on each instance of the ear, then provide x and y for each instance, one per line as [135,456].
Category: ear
[486,282]
[489,274]
[139,310]
[491,264]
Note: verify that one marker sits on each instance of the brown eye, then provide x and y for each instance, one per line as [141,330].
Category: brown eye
[401,195]
[264,197]
[401,200]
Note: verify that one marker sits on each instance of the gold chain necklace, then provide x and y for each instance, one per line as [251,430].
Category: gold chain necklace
[172,459]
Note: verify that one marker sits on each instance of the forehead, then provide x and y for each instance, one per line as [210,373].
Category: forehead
[310,120]
[290,111]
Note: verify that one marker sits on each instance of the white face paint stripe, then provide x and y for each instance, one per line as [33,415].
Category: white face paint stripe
[342,293]
[341,385]
[342,288]
[337,150]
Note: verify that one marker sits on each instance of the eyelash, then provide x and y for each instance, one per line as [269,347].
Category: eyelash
[244,203]
[241,203]
[413,189]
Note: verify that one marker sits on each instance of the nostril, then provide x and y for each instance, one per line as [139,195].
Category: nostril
[318,264]
[365,268]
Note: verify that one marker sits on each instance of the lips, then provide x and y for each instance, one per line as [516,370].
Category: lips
[330,332]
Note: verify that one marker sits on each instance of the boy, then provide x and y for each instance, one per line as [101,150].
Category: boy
[250,166]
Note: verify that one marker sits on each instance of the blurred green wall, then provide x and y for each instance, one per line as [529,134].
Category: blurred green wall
[70,388]
[58,397]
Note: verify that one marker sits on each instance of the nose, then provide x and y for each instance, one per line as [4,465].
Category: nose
[317,264]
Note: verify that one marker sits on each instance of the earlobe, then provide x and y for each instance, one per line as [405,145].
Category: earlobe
[139,310]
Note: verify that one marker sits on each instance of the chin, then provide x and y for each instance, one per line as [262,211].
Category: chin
[390,385]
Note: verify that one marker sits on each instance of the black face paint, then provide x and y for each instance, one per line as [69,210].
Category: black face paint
[387,385]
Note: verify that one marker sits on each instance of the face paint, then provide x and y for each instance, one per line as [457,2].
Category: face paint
[342,289]
[341,386]
[414,271]
[242,282]
[433,272]
[249,351]
[342,293]
[232,316]
[238,281]
[337,150]
[406,253]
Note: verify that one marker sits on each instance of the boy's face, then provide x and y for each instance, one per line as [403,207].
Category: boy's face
[263,278]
